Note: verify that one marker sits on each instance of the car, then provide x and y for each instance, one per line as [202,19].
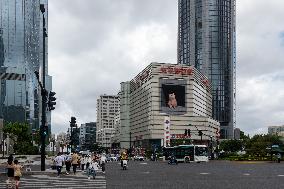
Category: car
[139,158]
[113,158]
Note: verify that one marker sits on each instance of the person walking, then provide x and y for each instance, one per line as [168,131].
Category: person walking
[68,160]
[83,162]
[75,162]
[88,161]
[10,172]
[103,162]
[278,157]
[59,160]
[92,169]
[17,173]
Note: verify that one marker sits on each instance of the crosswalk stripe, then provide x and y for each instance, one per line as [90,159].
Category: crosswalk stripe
[79,181]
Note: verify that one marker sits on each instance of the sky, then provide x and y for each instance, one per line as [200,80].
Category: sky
[96,44]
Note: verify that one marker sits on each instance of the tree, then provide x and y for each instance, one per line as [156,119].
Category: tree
[258,144]
[21,135]
[231,146]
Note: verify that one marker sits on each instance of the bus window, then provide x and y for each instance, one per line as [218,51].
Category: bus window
[201,151]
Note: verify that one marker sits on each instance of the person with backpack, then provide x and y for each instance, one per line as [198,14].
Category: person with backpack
[92,169]
[59,160]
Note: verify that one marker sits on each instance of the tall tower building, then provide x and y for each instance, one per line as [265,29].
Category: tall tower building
[207,40]
[21,53]
[107,108]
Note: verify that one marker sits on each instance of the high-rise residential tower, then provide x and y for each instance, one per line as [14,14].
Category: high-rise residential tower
[107,108]
[21,53]
[207,40]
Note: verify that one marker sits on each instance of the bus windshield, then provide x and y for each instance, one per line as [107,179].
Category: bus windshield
[201,151]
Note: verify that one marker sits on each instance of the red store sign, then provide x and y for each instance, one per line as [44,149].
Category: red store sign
[176,70]
[179,136]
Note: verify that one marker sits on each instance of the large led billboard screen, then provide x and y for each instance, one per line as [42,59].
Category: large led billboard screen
[173,96]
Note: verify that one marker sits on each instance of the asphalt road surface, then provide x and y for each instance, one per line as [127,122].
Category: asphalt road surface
[160,175]
[214,174]
[51,181]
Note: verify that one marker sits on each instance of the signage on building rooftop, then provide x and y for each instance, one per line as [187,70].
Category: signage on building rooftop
[176,70]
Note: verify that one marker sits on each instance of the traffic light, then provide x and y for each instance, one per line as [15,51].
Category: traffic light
[185,132]
[51,100]
[188,132]
[73,122]
[45,130]
[200,133]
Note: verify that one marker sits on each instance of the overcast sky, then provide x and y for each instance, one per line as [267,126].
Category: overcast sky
[96,44]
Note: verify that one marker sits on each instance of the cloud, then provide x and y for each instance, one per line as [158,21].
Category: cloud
[258,102]
[96,44]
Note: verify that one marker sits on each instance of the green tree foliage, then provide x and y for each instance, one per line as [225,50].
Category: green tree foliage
[231,146]
[21,135]
[258,144]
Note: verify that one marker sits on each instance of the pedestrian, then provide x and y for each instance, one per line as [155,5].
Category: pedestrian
[59,160]
[17,173]
[10,172]
[83,162]
[75,162]
[89,161]
[103,162]
[68,160]
[278,157]
[93,168]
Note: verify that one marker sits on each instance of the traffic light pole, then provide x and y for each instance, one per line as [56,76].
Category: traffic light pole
[43,95]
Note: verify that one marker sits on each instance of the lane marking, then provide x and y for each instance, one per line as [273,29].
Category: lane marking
[280,175]
[246,174]
[147,172]
[143,163]
[204,173]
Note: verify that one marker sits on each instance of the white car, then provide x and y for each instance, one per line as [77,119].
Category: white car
[139,158]
[113,158]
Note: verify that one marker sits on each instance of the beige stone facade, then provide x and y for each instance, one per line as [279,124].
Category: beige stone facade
[180,92]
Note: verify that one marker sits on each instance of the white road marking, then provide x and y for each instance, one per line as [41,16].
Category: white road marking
[204,173]
[280,175]
[147,172]
[246,174]
[143,163]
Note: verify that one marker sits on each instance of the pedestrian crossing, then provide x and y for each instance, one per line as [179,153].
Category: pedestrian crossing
[78,181]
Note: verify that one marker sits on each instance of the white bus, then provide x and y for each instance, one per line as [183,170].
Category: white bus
[191,153]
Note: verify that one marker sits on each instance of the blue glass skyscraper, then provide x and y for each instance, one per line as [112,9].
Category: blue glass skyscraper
[207,40]
[20,55]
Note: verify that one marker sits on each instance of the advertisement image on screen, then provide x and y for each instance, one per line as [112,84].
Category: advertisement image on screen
[173,97]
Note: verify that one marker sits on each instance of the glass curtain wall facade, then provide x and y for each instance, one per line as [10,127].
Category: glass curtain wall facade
[21,55]
[207,40]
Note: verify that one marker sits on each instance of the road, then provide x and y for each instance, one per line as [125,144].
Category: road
[51,181]
[160,175]
[215,174]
